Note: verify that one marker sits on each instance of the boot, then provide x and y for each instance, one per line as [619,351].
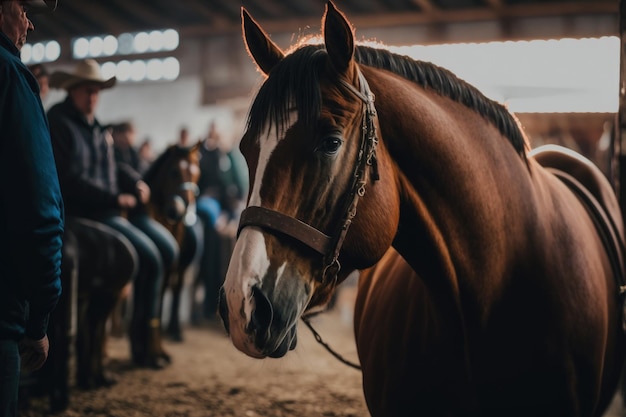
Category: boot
[147,350]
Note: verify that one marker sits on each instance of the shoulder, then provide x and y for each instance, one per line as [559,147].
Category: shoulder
[56,110]
[11,65]
[15,76]
[60,114]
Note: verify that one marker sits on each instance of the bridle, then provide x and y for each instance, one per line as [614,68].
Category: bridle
[329,246]
[180,195]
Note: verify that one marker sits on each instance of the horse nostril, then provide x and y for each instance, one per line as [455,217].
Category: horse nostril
[223,309]
[262,314]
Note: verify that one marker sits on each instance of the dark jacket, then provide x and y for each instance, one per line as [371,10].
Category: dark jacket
[85,161]
[129,167]
[31,208]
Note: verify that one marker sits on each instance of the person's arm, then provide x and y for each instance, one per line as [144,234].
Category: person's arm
[127,177]
[131,181]
[31,202]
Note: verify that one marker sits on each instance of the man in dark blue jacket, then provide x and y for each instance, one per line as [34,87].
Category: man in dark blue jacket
[31,211]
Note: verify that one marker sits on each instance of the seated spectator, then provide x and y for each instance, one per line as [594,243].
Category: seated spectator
[89,181]
[126,154]
[222,192]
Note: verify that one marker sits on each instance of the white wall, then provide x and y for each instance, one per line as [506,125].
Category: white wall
[160,109]
[220,66]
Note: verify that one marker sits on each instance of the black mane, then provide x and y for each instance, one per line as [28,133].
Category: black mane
[294,83]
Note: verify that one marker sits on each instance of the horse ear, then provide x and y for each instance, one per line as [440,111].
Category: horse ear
[265,53]
[338,37]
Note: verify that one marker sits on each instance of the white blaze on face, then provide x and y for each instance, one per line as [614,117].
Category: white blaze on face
[249,261]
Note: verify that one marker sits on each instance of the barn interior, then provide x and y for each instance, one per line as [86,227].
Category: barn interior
[183,63]
[201,73]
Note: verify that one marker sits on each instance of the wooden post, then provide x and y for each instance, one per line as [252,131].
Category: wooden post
[619,145]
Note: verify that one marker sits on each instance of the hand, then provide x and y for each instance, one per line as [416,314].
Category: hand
[33,353]
[126,201]
[144,191]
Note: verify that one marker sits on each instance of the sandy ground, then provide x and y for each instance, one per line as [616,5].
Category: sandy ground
[209,377]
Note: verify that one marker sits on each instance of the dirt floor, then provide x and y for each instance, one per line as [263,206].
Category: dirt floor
[209,377]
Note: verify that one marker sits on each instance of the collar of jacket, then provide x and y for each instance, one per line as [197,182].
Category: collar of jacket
[6,43]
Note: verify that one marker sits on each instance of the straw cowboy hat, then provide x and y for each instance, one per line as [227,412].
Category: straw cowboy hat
[86,71]
[40,6]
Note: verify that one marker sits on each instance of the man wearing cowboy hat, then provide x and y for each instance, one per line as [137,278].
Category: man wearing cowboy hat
[94,188]
[31,212]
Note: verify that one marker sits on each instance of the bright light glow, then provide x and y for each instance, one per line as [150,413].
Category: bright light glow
[156,69]
[156,40]
[108,70]
[567,75]
[171,68]
[141,42]
[125,42]
[53,51]
[96,45]
[80,48]
[39,51]
[122,71]
[170,39]
[109,45]
[137,70]
[26,53]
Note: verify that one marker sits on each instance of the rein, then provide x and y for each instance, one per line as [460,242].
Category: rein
[319,340]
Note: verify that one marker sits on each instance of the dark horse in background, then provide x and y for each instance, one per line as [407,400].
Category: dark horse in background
[514,307]
[173,179]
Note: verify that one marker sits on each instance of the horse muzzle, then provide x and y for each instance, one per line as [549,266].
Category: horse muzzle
[175,209]
[265,333]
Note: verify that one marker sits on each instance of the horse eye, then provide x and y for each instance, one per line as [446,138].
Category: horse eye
[329,145]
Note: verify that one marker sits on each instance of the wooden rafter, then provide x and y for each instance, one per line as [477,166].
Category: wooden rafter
[437,16]
[425,5]
[76,18]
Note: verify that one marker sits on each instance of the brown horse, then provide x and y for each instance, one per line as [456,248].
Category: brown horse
[519,308]
[173,179]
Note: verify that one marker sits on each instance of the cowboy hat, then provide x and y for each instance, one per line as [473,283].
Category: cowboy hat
[86,71]
[40,6]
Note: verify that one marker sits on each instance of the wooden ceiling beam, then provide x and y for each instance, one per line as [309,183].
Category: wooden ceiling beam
[150,17]
[425,5]
[495,4]
[435,16]
[206,12]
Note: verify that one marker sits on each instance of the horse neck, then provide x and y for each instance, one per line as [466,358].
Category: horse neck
[458,178]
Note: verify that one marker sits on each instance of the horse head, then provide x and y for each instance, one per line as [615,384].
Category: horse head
[311,145]
[173,179]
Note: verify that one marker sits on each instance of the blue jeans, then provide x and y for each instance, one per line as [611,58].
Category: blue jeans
[157,250]
[9,377]
[208,209]
[210,271]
